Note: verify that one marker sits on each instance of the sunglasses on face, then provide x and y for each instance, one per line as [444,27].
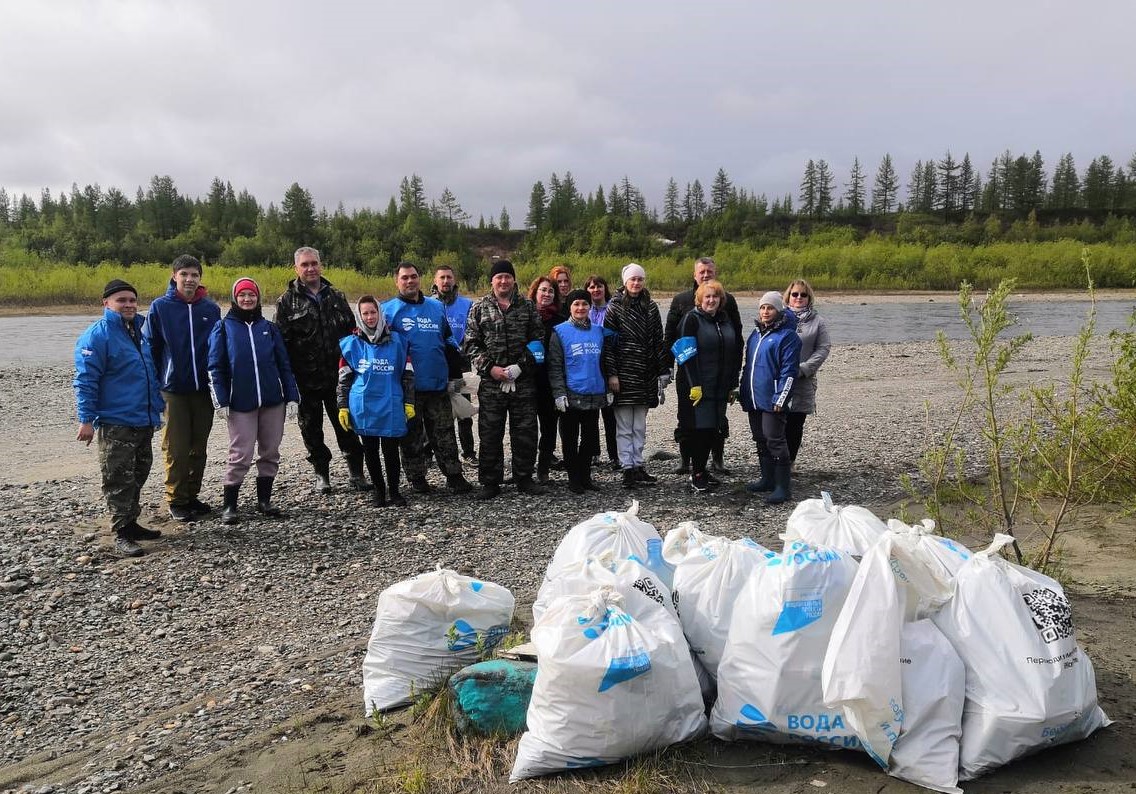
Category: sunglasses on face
[798,294]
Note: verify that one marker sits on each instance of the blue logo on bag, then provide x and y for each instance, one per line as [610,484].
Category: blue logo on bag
[476,586]
[461,635]
[798,614]
[956,548]
[758,722]
[624,668]
[684,349]
[536,347]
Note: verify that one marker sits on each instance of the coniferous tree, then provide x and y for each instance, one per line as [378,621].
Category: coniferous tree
[966,184]
[672,210]
[947,189]
[807,198]
[538,202]
[298,217]
[1097,187]
[886,189]
[504,223]
[915,187]
[697,201]
[1066,192]
[720,192]
[854,196]
[825,185]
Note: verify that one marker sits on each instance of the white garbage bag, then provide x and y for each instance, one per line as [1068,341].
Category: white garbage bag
[769,679]
[950,554]
[886,691]
[933,680]
[1028,683]
[622,534]
[818,522]
[710,571]
[609,684]
[427,628]
[630,578]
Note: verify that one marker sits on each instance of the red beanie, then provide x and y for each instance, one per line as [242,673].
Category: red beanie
[245,283]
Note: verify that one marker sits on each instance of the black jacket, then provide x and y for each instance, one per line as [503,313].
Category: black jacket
[312,327]
[681,305]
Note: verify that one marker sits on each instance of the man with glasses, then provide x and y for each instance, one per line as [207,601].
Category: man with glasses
[705,270]
[313,316]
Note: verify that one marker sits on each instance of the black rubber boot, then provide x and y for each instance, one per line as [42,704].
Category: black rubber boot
[782,473]
[716,456]
[358,482]
[323,477]
[379,495]
[526,486]
[629,478]
[767,482]
[229,512]
[684,459]
[542,473]
[396,499]
[264,498]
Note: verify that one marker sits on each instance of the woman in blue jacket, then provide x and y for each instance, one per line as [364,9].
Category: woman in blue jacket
[253,390]
[772,358]
[376,394]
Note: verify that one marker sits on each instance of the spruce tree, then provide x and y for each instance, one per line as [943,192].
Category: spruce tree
[854,196]
[886,189]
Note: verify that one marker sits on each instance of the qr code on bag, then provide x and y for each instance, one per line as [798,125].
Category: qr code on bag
[1051,613]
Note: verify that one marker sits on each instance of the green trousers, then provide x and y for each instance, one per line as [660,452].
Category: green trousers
[185,436]
[125,457]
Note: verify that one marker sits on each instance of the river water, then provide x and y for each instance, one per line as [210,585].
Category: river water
[50,339]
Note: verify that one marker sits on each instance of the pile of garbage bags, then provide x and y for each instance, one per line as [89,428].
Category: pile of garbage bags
[939,663]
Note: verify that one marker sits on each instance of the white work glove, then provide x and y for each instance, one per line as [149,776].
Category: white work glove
[223,412]
[456,385]
[610,398]
[561,404]
[290,410]
[664,381]
[508,386]
[513,371]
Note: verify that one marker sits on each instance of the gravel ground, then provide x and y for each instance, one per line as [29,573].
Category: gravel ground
[116,672]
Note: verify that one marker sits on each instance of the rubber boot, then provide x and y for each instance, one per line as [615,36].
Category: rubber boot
[782,473]
[229,513]
[264,504]
[323,477]
[684,459]
[542,472]
[379,495]
[396,498]
[716,462]
[767,482]
[358,482]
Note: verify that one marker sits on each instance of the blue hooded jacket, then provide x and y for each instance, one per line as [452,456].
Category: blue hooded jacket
[115,381]
[427,330]
[178,332]
[248,365]
[771,361]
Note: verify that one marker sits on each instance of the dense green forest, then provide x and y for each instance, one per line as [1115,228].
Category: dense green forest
[949,222]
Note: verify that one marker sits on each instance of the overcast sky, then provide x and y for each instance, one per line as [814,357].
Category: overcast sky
[487,96]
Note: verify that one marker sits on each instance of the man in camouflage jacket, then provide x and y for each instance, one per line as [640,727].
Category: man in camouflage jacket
[313,316]
[503,340]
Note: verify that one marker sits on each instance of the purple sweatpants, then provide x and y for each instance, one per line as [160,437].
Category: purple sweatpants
[261,430]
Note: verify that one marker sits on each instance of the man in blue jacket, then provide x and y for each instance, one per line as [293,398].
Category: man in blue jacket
[423,321]
[116,390]
[177,328]
[457,308]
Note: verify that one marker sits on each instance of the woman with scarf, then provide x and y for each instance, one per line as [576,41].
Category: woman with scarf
[544,295]
[375,395]
[772,357]
[707,351]
[250,378]
[600,295]
[579,388]
[636,364]
[815,346]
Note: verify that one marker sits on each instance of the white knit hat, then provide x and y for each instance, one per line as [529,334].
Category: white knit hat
[631,270]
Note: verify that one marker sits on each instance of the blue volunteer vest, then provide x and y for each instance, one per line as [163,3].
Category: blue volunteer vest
[376,399]
[582,358]
[421,323]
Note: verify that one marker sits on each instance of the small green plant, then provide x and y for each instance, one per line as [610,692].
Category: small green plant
[414,780]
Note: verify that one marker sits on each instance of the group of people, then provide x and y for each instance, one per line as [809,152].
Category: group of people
[388,375]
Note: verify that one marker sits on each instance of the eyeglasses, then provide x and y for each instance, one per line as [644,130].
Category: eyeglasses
[798,294]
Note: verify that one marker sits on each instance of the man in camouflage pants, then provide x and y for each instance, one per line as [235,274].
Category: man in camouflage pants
[116,390]
[423,322]
[503,341]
